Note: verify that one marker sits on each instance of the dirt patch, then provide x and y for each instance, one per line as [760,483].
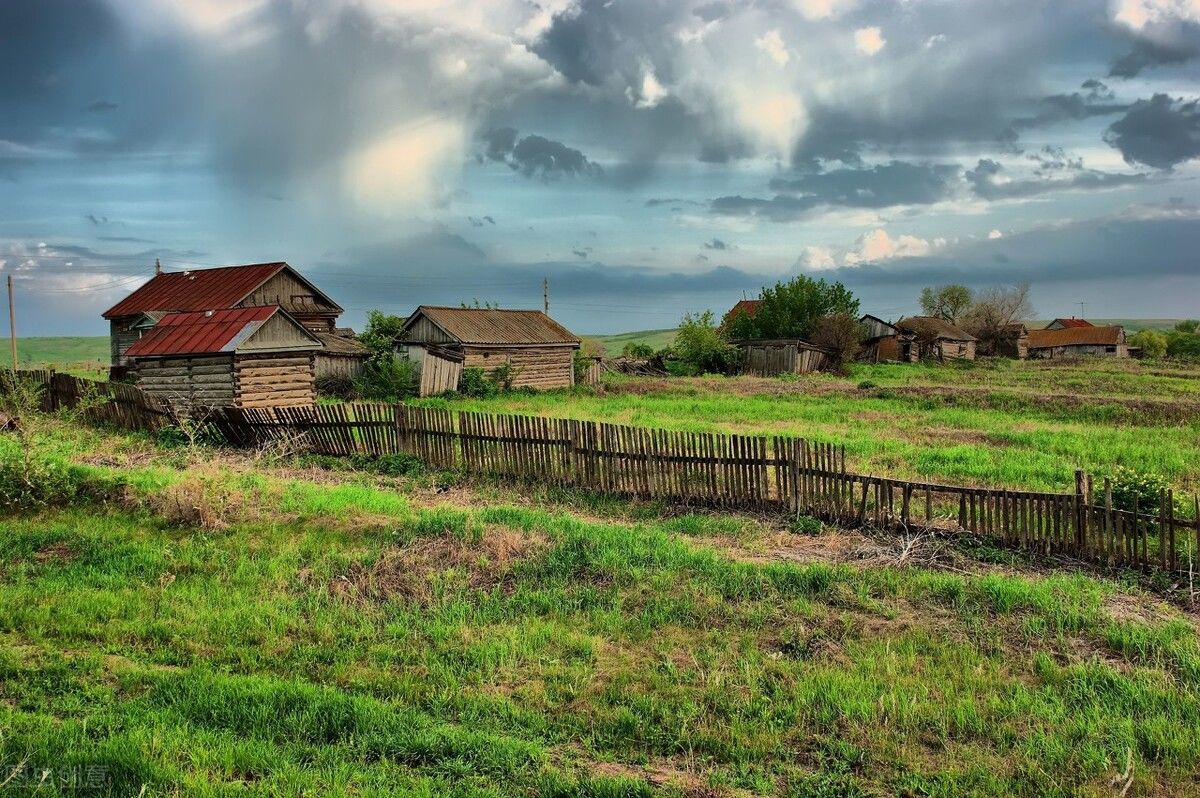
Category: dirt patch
[57,553]
[659,774]
[412,571]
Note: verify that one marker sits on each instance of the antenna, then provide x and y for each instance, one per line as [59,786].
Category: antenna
[1082,305]
[546,295]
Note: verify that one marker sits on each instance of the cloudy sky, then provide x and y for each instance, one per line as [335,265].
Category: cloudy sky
[647,156]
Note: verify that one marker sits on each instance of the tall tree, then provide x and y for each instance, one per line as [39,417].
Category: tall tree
[947,302]
[994,310]
[791,309]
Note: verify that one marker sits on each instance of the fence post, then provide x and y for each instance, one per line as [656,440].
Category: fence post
[1080,515]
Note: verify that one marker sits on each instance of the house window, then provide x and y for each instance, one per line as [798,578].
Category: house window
[1110,349]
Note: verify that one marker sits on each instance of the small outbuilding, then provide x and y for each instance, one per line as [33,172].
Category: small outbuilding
[240,357]
[770,358]
[1088,341]
[342,355]
[527,347]
[1011,340]
[913,339]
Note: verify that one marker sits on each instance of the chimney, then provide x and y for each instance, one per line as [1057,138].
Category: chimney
[157,267]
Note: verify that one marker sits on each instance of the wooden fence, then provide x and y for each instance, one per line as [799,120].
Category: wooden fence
[115,403]
[774,474]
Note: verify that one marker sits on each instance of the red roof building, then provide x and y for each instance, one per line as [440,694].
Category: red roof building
[252,285]
[1066,324]
[202,332]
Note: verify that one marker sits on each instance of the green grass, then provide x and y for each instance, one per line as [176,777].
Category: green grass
[85,355]
[1021,425]
[347,637]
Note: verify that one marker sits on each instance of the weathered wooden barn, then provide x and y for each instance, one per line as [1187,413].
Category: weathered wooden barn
[770,358]
[252,285]
[535,350]
[341,356]
[915,338]
[1086,341]
[241,357]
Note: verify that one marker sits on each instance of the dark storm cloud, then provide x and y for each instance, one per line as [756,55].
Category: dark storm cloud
[988,181]
[536,156]
[1164,42]
[716,243]
[1159,132]
[1096,99]
[780,208]
[892,183]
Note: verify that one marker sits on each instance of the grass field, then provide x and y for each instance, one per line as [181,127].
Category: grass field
[82,355]
[1003,423]
[206,623]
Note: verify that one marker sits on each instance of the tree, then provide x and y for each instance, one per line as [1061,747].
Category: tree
[1152,342]
[791,309]
[739,325]
[1191,326]
[839,334]
[381,333]
[700,346]
[994,310]
[1183,345]
[947,302]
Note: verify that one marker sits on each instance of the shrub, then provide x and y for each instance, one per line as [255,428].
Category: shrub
[33,482]
[388,377]
[392,465]
[838,334]
[638,351]
[805,525]
[503,376]
[866,385]
[1130,486]
[701,348]
[337,387]
[475,384]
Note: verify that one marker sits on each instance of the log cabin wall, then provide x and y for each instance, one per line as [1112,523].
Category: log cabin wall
[188,381]
[279,379]
[541,367]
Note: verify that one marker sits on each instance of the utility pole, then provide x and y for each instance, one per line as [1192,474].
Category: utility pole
[12,324]
[546,295]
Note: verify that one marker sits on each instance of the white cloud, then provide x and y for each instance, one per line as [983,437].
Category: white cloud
[869,40]
[1137,14]
[878,245]
[775,118]
[815,258]
[772,44]
[995,234]
[822,9]
[651,93]
[405,168]
[935,40]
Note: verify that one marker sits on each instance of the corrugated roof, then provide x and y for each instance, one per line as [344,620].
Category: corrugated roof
[932,327]
[203,289]
[1071,322]
[490,326]
[1075,336]
[336,344]
[201,332]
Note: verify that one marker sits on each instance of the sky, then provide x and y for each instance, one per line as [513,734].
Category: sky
[645,157]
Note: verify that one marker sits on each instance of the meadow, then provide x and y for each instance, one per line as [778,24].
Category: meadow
[992,423]
[201,622]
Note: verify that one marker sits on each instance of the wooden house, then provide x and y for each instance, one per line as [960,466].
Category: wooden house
[1067,324]
[253,285]
[770,358]
[1011,340]
[241,357]
[535,350]
[1083,341]
[915,338]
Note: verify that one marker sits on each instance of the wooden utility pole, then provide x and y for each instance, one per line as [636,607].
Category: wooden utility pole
[12,324]
[545,295]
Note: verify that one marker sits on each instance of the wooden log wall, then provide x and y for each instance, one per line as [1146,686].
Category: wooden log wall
[776,474]
[278,379]
[541,367]
[188,381]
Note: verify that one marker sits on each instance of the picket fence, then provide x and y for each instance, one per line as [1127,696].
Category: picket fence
[775,474]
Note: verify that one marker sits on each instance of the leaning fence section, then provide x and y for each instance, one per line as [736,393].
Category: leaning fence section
[776,474]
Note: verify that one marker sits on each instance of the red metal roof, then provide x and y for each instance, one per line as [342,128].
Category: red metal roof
[203,289]
[747,306]
[202,332]
[1071,322]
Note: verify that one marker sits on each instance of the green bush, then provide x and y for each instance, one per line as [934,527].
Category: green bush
[35,482]
[1130,487]
[805,525]
[638,351]
[475,384]
[700,347]
[388,377]
[1152,342]
[866,385]
[392,465]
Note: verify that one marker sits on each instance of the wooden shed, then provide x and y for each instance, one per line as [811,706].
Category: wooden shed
[770,358]
[341,356]
[251,285]
[242,357]
[1078,341]
[915,338]
[539,351]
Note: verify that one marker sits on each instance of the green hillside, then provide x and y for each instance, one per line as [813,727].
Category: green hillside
[63,352]
[657,339]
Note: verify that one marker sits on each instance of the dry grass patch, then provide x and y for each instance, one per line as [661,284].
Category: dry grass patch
[413,571]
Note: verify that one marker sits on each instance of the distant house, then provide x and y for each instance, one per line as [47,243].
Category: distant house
[1066,324]
[253,285]
[1079,341]
[915,338]
[536,350]
[255,356]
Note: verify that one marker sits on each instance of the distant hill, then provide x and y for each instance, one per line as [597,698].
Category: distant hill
[62,352]
[656,339]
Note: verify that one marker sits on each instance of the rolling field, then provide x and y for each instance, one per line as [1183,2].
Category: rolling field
[1002,423]
[200,622]
[86,356]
